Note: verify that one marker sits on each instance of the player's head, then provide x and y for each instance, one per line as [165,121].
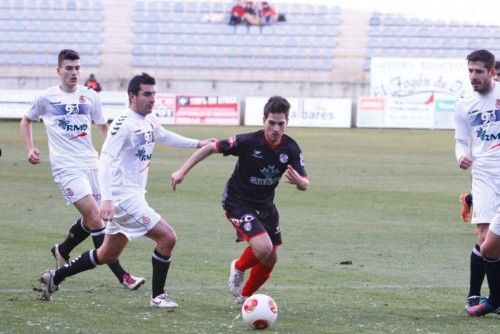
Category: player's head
[141,93]
[497,70]
[481,64]
[68,68]
[275,118]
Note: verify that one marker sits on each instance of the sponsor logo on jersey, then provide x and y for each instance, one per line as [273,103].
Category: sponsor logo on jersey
[257,154]
[142,155]
[481,134]
[283,158]
[269,178]
[68,126]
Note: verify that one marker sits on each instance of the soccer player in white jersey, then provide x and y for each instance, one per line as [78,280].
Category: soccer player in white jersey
[477,146]
[123,172]
[68,111]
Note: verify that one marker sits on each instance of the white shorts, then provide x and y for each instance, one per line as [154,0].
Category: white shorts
[485,198]
[495,224]
[133,218]
[76,184]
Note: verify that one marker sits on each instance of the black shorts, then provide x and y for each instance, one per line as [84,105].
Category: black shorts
[249,223]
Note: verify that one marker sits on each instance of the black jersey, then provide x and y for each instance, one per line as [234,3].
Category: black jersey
[259,167]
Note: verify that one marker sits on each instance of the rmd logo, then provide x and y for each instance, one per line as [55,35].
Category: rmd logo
[66,125]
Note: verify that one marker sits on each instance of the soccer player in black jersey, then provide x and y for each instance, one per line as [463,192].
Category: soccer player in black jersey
[248,198]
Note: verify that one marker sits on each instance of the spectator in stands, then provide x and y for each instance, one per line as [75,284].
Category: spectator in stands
[92,83]
[267,14]
[250,16]
[237,13]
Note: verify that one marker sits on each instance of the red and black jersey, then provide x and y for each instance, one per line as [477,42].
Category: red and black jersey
[259,168]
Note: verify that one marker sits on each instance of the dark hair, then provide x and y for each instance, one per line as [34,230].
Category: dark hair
[276,105]
[134,86]
[67,54]
[497,65]
[483,56]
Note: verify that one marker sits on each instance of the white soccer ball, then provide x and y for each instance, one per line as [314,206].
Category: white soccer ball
[259,311]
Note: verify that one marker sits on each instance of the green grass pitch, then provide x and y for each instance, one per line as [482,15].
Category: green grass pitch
[387,200]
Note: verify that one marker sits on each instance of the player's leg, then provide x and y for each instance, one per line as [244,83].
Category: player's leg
[466,205]
[267,255]
[484,209]
[491,252]
[111,248]
[88,207]
[164,236]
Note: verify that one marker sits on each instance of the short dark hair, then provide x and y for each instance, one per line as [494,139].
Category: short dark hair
[483,56]
[134,86]
[497,65]
[67,54]
[277,105]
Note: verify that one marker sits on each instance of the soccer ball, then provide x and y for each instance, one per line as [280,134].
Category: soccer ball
[259,311]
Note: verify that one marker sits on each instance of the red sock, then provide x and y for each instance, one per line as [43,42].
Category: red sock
[247,260]
[258,276]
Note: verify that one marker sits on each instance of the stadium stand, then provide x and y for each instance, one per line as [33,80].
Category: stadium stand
[393,35]
[318,51]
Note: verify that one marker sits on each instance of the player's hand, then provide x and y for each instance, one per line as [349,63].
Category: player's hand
[293,177]
[464,162]
[107,210]
[33,156]
[176,178]
[204,142]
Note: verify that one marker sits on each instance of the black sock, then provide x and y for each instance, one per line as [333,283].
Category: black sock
[161,263]
[477,272]
[86,261]
[493,275]
[116,268]
[468,199]
[77,233]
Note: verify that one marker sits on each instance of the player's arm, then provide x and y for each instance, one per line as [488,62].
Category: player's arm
[462,133]
[27,133]
[196,157]
[293,177]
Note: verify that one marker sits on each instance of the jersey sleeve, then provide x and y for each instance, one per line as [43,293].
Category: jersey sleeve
[173,139]
[97,113]
[462,130]
[297,161]
[37,109]
[232,145]
[115,140]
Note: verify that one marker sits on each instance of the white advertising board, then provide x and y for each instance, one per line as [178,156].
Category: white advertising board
[413,93]
[304,112]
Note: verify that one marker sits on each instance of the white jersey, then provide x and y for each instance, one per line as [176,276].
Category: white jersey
[477,120]
[126,154]
[68,119]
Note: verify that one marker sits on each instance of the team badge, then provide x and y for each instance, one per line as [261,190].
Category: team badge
[69,192]
[247,226]
[145,220]
[497,104]
[82,99]
[284,158]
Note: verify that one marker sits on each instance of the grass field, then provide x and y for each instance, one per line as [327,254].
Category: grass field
[387,200]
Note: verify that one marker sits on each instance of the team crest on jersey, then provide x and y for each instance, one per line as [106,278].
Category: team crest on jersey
[69,192]
[283,158]
[497,104]
[82,99]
